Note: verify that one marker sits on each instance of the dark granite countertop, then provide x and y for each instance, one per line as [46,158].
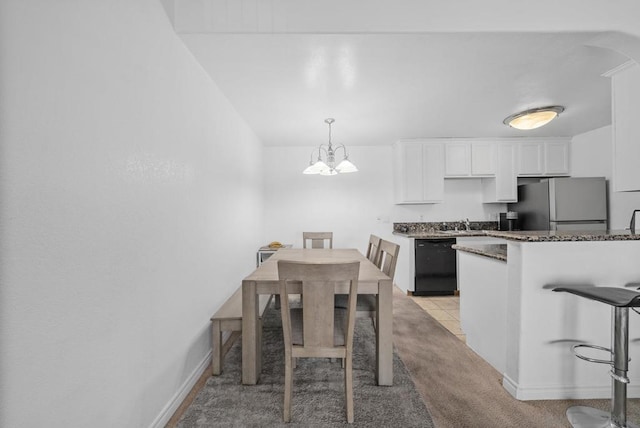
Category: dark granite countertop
[531,236]
[494,251]
[439,234]
[560,236]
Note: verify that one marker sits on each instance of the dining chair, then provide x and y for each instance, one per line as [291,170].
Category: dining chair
[366,303]
[317,239]
[317,329]
[373,248]
[388,257]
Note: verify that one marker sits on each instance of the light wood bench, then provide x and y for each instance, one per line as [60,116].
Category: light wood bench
[229,319]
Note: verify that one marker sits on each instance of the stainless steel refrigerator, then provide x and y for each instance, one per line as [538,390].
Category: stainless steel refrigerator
[564,204]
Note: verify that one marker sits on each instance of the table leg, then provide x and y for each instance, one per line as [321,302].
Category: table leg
[217,356]
[250,371]
[384,333]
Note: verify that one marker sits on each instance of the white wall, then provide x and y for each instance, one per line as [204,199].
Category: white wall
[462,199]
[130,209]
[356,205]
[591,156]
[349,205]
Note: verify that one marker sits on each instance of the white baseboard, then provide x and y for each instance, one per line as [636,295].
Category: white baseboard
[170,408]
[509,385]
[563,393]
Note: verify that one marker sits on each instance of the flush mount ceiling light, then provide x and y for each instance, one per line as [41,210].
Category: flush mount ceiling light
[327,166]
[534,118]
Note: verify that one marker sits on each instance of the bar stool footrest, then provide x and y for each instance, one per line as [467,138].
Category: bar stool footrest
[618,378]
[592,360]
[589,417]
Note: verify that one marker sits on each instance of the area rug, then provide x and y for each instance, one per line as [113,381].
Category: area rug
[318,392]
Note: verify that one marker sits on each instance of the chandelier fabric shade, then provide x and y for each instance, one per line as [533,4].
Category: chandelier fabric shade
[534,118]
[325,163]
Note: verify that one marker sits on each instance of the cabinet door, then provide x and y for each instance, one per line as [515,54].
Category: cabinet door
[412,173]
[557,158]
[457,159]
[483,159]
[506,179]
[531,158]
[433,184]
[504,187]
[419,172]
[626,133]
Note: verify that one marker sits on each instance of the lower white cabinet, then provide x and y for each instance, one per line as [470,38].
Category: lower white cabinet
[418,172]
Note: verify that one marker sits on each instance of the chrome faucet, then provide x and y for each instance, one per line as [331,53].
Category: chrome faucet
[467,224]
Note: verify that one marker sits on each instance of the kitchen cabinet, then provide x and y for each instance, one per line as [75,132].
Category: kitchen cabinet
[419,172]
[543,158]
[556,158]
[469,159]
[421,166]
[625,89]
[483,158]
[531,158]
[504,186]
[457,157]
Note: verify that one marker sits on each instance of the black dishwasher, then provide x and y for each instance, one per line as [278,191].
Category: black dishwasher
[435,267]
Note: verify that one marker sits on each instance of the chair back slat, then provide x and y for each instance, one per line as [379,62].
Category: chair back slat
[318,327]
[373,249]
[317,239]
[388,257]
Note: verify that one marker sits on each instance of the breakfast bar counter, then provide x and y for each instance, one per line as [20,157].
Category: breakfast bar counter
[564,236]
[514,320]
[494,251]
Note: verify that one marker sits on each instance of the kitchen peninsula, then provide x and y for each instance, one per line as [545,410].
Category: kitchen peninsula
[514,320]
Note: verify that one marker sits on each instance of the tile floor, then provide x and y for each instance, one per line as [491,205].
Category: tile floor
[445,309]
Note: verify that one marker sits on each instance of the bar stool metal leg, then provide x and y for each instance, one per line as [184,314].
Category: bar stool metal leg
[588,417]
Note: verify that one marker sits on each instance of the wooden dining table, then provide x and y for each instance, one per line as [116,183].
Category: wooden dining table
[264,280]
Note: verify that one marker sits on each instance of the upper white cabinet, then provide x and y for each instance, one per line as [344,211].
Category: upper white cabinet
[469,158]
[543,158]
[625,91]
[556,157]
[457,157]
[483,158]
[418,172]
[421,166]
[531,158]
[504,186]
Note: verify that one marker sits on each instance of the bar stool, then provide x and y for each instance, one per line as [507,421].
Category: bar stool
[620,299]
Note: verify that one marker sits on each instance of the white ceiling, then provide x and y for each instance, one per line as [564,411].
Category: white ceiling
[385,87]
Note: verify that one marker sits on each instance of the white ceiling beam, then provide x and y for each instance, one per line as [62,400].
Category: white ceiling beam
[402,16]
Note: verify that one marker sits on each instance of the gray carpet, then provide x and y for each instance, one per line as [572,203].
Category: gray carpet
[318,394]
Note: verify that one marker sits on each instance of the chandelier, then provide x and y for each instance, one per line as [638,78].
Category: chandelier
[534,118]
[328,165]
